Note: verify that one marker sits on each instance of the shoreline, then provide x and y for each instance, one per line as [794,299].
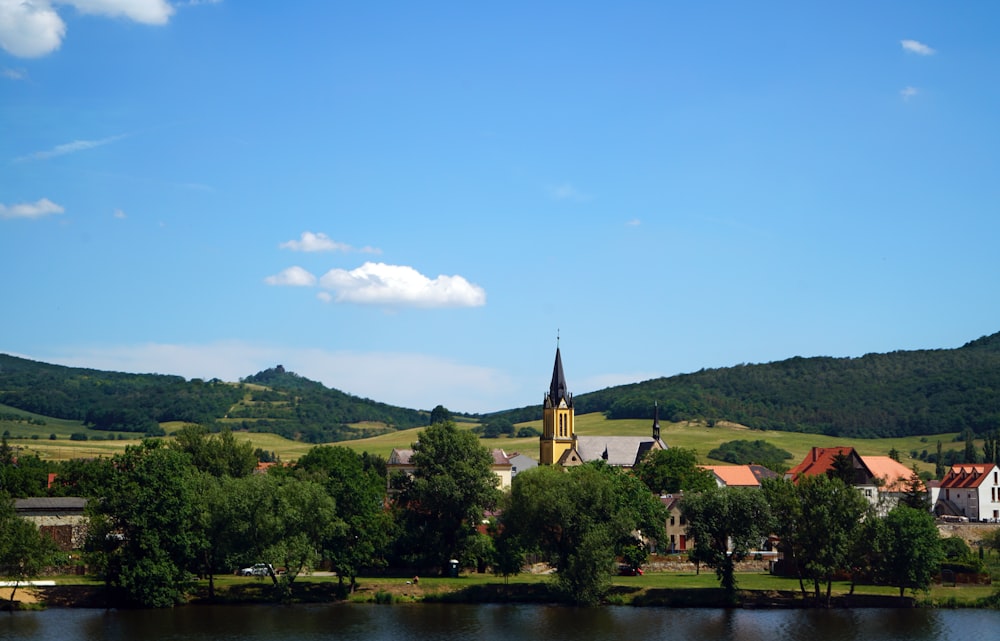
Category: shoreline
[388,592]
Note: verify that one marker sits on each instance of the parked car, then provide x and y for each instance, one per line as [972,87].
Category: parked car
[257,569]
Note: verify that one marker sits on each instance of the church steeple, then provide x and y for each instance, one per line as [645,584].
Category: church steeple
[557,388]
[558,433]
[656,421]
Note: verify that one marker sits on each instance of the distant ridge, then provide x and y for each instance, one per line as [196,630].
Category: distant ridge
[272,400]
[877,395]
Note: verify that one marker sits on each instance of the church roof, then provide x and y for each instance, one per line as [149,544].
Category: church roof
[557,388]
[622,451]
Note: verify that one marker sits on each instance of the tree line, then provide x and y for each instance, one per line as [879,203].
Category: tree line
[166,512]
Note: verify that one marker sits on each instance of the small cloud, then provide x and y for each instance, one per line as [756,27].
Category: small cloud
[908,92]
[37,209]
[917,47]
[635,222]
[292,277]
[68,148]
[381,284]
[567,191]
[34,29]
[120,215]
[310,242]
[14,74]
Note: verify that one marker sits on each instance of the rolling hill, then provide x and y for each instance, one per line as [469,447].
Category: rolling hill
[896,394]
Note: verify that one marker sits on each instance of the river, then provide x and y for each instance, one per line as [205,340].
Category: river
[433,622]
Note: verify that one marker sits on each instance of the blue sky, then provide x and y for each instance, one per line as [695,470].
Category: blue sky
[407,201]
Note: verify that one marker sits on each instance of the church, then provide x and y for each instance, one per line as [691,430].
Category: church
[559,443]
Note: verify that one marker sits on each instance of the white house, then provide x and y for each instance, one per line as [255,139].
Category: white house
[971,490]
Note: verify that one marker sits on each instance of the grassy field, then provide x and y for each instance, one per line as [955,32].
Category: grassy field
[32,437]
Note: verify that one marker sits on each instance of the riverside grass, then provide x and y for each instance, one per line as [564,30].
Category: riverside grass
[651,589]
[34,439]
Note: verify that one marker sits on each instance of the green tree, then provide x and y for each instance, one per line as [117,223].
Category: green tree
[218,454]
[842,468]
[821,527]
[969,455]
[673,470]
[452,487]
[580,520]
[284,521]
[24,551]
[440,414]
[913,551]
[359,488]
[21,475]
[726,524]
[915,494]
[143,536]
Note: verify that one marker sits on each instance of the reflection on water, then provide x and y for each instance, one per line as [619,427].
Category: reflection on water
[494,622]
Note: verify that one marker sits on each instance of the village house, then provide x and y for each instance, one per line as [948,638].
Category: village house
[60,518]
[739,475]
[400,461]
[675,527]
[970,490]
[882,480]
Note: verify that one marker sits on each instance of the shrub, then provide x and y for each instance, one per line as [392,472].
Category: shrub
[78,436]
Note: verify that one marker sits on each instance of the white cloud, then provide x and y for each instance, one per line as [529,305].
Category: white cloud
[917,47]
[320,242]
[908,92]
[30,29]
[68,148]
[381,284]
[635,222]
[33,28]
[567,191]
[310,242]
[292,277]
[37,209]
[13,74]
[119,214]
[144,11]
[417,381]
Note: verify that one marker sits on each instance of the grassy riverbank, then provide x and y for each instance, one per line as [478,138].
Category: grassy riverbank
[665,589]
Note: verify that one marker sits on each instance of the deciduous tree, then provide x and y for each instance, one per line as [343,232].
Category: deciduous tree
[445,500]
[726,524]
[579,520]
[673,470]
[24,551]
[913,552]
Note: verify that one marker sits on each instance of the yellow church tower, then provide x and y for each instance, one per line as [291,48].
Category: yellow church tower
[558,435]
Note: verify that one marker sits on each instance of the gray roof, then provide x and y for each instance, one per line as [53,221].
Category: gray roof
[50,504]
[624,451]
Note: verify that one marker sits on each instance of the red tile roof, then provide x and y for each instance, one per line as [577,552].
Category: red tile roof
[818,461]
[967,475]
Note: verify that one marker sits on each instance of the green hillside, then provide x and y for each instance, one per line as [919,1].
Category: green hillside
[273,401]
[897,394]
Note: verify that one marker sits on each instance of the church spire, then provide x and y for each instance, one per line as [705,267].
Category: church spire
[557,388]
[656,421]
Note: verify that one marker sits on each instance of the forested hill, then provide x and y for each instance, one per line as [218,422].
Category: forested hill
[270,401]
[876,395]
